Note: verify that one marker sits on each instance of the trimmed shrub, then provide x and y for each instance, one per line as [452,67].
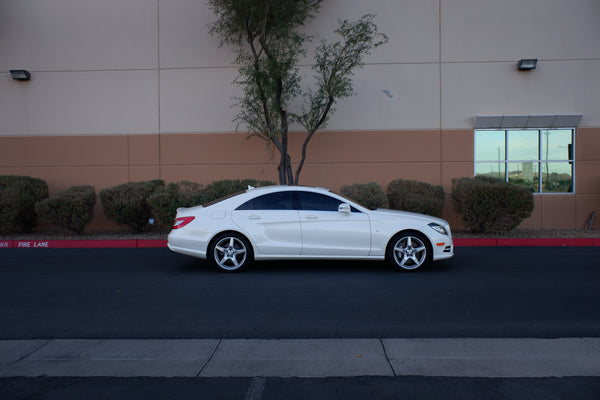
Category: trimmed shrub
[218,189]
[415,196]
[18,195]
[127,204]
[165,201]
[488,204]
[71,209]
[370,195]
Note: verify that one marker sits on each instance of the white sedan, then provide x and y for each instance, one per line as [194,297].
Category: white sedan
[296,222]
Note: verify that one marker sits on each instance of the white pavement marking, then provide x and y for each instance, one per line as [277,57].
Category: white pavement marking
[302,358]
[256,389]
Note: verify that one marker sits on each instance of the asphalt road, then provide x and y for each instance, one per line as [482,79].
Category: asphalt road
[150,293]
[360,388]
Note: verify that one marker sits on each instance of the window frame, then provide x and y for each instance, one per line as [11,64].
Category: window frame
[299,193]
[291,202]
[540,161]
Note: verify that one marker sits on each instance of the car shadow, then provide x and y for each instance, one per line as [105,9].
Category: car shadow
[186,264]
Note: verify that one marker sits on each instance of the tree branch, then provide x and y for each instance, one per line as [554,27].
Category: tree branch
[310,135]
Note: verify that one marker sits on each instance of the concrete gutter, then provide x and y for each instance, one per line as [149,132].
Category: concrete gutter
[153,243]
[302,357]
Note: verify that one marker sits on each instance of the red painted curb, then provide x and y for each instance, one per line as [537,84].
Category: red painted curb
[547,242]
[148,243]
[474,242]
[557,242]
[70,244]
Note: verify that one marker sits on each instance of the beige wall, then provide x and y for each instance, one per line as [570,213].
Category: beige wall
[137,89]
[150,66]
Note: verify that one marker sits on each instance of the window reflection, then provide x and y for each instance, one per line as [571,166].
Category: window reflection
[557,145]
[525,174]
[491,170]
[523,145]
[540,160]
[557,177]
[490,145]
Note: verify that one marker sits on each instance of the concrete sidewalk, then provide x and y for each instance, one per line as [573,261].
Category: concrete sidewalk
[302,357]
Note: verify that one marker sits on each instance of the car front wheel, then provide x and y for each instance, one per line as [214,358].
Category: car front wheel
[231,252]
[409,251]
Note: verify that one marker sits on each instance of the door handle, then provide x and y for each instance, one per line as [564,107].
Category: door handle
[254,217]
[311,216]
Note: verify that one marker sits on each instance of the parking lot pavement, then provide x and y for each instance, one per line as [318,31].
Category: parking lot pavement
[307,358]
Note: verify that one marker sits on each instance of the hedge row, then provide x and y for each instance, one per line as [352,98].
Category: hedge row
[488,204]
[71,209]
[484,204]
[18,195]
[164,202]
[407,195]
[135,204]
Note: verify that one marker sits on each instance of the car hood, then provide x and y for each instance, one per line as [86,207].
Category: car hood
[382,213]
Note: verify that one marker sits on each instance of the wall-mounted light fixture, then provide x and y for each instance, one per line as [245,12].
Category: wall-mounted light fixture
[527,64]
[20,74]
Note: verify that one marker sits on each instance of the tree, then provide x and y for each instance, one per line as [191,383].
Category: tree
[268,43]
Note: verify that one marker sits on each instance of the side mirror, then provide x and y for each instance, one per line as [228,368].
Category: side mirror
[344,208]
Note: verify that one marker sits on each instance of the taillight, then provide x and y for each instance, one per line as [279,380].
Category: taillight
[181,222]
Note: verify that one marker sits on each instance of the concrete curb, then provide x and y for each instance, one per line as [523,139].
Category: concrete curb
[304,358]
[157,243]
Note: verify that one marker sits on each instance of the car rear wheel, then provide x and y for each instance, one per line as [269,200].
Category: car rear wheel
[231,252]
[408,251]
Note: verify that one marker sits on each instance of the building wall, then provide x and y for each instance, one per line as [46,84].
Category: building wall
[126,90]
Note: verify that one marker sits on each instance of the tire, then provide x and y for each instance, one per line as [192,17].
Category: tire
[231,252]
[409,251]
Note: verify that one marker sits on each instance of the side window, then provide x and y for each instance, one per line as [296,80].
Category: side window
[272,201]
[317,202]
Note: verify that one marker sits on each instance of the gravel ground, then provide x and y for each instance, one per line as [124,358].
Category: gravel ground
[162,234]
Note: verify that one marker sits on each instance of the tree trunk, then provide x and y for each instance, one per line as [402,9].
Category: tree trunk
[285,170]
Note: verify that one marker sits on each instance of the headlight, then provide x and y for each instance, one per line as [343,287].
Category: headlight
[438,228]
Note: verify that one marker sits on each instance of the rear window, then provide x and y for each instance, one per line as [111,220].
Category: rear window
[271,201]
[220,199]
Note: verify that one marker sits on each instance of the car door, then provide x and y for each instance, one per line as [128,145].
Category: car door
[272,223]
[328,232]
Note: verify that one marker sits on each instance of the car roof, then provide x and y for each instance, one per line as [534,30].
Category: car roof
[252,192]
[277,188]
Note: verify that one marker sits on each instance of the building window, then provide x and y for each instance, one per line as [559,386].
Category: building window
[539,159]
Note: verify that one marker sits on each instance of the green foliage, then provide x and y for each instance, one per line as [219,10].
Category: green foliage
[18,195]
[218,189]
[71,209]
[268,38]
[488,204]
[419,197]
[127,204]
[167,200]
[370,195]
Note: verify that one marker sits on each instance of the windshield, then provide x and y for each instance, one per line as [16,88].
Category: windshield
[352,202]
